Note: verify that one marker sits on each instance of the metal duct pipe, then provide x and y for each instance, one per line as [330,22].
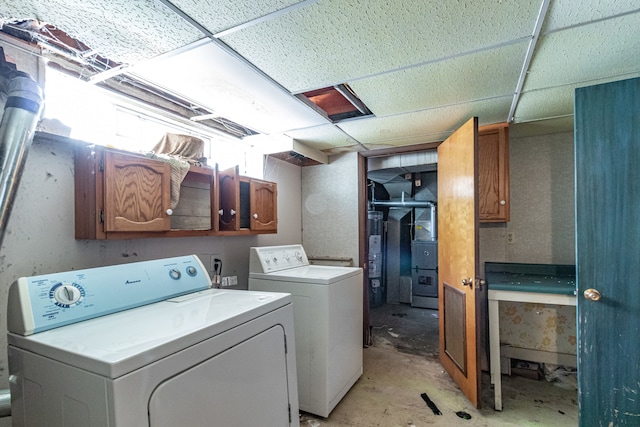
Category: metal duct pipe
[22,105]
[403,203]
[5,403]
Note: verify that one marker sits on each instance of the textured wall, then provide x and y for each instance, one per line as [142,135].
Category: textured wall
[542,200]
[543,225]
[330,208]
[40,231]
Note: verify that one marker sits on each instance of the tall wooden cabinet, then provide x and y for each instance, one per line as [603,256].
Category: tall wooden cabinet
[493,173]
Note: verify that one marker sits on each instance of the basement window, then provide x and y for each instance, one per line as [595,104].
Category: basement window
[338,102]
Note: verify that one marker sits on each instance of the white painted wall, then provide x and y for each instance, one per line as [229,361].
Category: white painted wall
[330,208]
[40,232]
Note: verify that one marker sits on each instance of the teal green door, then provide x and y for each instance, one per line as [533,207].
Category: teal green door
[607,161]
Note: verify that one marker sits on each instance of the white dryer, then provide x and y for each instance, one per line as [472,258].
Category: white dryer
[80,355]
[327,306]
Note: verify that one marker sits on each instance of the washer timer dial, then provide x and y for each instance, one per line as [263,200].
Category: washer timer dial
[66,295]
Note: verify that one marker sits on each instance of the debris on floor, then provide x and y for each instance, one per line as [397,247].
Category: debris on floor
[561,376]
[393,334]
[526,369]
[463,415]
[430,404]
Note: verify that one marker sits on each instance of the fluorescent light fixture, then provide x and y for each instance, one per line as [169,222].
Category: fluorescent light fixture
[211,76]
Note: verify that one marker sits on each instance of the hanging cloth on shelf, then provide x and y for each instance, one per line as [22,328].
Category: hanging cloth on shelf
[180,151]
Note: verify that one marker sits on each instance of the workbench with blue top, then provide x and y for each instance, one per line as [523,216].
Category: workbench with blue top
[527,283]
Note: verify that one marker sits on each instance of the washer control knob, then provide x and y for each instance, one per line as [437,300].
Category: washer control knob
[192,271]
[175,273]
[298,256]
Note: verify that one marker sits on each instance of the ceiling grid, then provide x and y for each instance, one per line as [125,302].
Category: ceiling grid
[422,68]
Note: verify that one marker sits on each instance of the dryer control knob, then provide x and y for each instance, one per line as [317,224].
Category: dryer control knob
[66,295]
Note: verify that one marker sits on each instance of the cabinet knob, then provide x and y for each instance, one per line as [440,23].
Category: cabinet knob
[221,212]
[503,202]
[255,216]
[232,212]
[169,212]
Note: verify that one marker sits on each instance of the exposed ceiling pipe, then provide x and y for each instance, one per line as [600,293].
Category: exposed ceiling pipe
[402,203]
[22,99]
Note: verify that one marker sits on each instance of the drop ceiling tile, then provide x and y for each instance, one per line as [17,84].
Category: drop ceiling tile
[209,76]
[541,127]
[586,53]
[565,13]
[336,41]
[224,14]
[125,31]
[465,78]
[543,104]
[322,137]
[421,139]
[423,124]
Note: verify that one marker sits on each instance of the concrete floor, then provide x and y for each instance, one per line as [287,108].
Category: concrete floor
[403,362]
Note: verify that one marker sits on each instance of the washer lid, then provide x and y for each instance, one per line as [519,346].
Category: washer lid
[119,343]
[312,274]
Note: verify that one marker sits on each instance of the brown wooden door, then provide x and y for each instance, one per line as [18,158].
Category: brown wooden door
[229,184]
[264,202]
[458,258]
[137,193]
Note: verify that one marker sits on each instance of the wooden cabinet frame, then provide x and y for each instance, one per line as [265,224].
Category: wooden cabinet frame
[493,173]
[121,195]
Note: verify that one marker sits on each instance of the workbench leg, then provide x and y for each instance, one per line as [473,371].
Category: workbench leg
[494,353]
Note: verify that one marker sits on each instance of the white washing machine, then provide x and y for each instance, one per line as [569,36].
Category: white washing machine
[149,344]
[327,306]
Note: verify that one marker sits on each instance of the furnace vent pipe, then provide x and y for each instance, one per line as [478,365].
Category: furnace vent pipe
[402,203]
[21,98]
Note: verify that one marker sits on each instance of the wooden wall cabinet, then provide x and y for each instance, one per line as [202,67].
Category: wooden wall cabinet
[493,173]
[247,205]
[121,195]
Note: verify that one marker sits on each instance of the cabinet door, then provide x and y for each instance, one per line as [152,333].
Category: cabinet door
[229,186]
[493,173]
[264,205]
[137,193]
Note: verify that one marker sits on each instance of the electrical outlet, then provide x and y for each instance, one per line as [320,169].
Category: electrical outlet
[229,281]
[510,237]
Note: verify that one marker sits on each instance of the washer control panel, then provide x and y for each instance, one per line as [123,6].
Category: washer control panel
[268,259]
[39,303]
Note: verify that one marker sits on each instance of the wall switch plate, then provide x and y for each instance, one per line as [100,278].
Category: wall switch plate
[510,237]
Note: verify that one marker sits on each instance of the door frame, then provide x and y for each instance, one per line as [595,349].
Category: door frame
[363,245]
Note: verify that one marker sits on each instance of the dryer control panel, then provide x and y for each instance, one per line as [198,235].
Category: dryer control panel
[269,259]
[39,303]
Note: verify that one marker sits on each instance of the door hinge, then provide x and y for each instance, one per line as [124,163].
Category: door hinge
[101,165]
[285,344]
[289,413]
[101,216]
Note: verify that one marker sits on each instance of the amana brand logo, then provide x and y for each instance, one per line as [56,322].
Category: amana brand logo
[131,282]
